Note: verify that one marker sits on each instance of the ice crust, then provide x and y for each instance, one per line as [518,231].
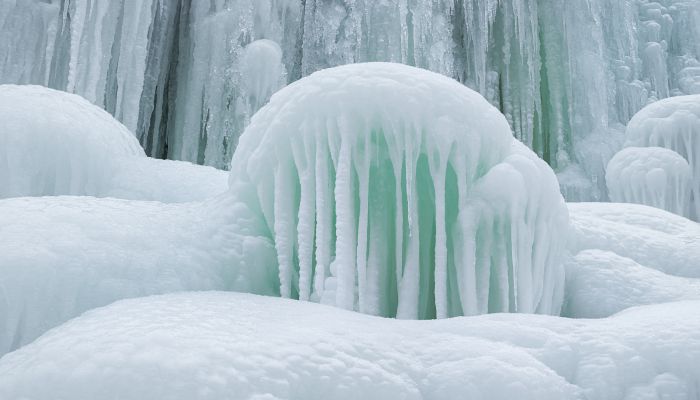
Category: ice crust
[57,143]
[653,176]
[396,191]
[239,346]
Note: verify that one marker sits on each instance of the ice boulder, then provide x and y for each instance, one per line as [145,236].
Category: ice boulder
[57,143]
[672,123]
[396,191]
[654,176]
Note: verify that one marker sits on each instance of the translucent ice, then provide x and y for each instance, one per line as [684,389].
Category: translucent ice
[396,191]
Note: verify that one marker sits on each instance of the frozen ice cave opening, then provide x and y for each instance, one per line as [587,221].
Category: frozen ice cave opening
[396,191]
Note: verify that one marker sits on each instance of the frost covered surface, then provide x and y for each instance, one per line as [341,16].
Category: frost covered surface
[601,283]
[383,188]
[57,143]
[653,176]
[673,124]
[62,256]
[651,237]
[226,345]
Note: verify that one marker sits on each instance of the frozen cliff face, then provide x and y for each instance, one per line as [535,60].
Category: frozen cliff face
[567,78]
[653,176]
[396,191]
[673,124]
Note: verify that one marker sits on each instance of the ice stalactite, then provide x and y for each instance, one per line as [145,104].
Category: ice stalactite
[399,192]
[673,124]
[653,176]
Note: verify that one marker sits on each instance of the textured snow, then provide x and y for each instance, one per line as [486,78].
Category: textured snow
[653,176]
[396,191]
[56,143]
[238,346]
[652,237]
[601,283]
[673,124]
[62,256]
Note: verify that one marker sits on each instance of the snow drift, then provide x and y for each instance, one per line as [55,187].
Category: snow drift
[239,346]
[399,192]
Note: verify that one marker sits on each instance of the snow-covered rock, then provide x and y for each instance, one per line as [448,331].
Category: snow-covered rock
[396,191]
[652,237]
[57,143]
[674,124]
[238,346]
[654,176]
[601,283]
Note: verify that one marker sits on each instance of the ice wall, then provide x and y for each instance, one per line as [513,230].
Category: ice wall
[395,191]
[568,78]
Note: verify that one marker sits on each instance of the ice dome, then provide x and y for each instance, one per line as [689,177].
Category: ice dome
[396,191]
[53,142]
[672,123]
[57,143]
[654,176]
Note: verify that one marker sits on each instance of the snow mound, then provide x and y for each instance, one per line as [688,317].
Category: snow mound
[57,143]
[653,176]
[672,123]
[601,283]
[652,237]
[238,346]
[61,256]
[396,191]
[54,142]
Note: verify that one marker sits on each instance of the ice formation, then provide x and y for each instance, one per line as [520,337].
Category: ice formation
[652,237]
[397,191]
[61,256]
[653,176]
[567,79]
[56,143]
[673,124]
[601,283]
[239,346]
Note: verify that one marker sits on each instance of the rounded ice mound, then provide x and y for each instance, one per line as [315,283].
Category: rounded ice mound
[396,191]
[53,143]
[672,123]
[653,176]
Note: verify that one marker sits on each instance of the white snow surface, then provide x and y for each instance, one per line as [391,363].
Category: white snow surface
[652,237]
[397,191]
[61,256]
[237,346]
[674,124]
[654,176]
[57,143]
[601,283]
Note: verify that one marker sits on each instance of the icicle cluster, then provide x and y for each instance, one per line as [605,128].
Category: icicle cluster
[653,176]
[399,192]
[673,124]
[175,71]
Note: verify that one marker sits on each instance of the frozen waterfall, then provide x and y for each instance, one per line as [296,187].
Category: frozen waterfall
[177,72]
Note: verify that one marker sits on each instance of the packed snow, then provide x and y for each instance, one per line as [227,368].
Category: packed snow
[652,237]
[600,283]
[396,191]
[56,143]
[673,124]
[61,256]
[653,176]
[239,346]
